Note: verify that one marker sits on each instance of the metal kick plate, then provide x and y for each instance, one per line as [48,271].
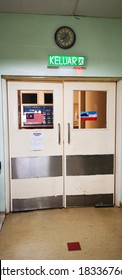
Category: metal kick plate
[36,167]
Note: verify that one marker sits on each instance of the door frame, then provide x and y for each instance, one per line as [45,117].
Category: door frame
[118,144]
[118,130]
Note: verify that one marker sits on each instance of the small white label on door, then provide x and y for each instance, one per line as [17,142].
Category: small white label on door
[37,141]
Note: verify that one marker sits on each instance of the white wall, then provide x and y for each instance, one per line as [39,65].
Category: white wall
[2,197]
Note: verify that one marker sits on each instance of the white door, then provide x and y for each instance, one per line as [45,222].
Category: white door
[36,150]
[62,141]
[89,131]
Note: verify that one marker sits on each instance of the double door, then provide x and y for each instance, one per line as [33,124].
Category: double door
[61,142]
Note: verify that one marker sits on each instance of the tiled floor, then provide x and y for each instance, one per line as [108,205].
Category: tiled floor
[44,234]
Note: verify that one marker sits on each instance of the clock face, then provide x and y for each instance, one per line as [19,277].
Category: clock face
[65,37]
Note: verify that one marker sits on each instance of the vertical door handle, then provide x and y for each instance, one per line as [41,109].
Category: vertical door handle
[59,133]
[68,133]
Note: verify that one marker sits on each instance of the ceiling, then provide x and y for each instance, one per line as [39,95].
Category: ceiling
[87,8]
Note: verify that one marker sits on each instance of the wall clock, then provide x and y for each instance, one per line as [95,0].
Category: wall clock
[65,37]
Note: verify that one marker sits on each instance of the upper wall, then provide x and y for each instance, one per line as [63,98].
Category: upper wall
[26,41]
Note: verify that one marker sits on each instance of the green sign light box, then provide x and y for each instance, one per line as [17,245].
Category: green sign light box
[65,60]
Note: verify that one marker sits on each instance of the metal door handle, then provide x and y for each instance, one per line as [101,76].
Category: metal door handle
[59,133]
[68,133]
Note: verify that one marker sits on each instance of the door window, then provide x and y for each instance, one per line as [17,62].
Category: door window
[89,109]
[35,109]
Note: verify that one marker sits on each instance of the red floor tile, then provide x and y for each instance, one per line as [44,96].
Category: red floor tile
[74,246]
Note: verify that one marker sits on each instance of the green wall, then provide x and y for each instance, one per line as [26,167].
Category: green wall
[26,40]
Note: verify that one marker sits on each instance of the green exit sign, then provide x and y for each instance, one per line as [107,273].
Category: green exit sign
[66,60]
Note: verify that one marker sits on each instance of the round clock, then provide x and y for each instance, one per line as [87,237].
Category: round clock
[65,37]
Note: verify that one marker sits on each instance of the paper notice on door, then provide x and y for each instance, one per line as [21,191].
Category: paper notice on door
[37,141]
